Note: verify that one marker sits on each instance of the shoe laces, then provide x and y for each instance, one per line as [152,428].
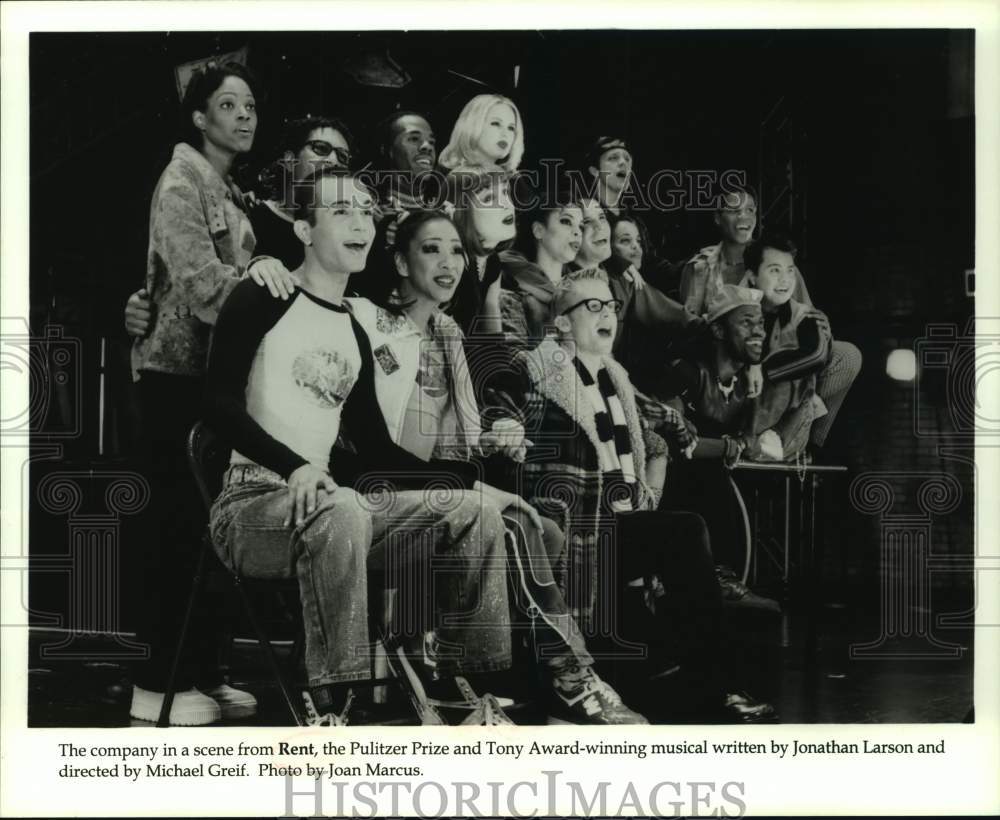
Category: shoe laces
[602,686]
[488,713]
[591,682]
[314,718]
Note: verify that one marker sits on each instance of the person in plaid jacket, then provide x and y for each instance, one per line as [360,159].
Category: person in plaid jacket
[587,469]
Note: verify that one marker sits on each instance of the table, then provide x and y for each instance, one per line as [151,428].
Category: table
[808,475]
[800,482]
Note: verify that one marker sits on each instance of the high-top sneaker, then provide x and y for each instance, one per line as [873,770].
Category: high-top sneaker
[327,705]
[580,696]
[429,693]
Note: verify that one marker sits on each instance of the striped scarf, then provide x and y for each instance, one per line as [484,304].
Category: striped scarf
[614,456]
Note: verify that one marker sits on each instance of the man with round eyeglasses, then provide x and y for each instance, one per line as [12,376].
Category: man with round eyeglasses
[306,145]
[589,462]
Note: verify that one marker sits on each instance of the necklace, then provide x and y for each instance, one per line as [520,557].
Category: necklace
[727,391]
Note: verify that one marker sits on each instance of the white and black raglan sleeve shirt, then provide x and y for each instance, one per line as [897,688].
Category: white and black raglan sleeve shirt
[283,375]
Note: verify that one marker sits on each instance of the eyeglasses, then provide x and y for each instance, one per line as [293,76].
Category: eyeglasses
[596,305]
[322,148]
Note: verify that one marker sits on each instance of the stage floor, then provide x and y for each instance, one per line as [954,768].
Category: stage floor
[812,680]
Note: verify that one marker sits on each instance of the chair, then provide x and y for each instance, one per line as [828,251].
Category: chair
[208,459]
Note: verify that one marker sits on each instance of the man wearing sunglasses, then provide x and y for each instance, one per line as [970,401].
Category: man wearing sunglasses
[307,145]
[588,467]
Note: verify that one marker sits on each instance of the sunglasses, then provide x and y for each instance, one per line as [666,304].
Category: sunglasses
[596,305]
[322,148]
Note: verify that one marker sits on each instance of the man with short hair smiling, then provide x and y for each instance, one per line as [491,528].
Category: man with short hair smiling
[408,148]
[408,142]
[727,263]
[801,358]
[578,407]
[710,387]
[723,263]
[281,377]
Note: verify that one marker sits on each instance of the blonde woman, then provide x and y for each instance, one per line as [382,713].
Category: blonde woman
[488,135]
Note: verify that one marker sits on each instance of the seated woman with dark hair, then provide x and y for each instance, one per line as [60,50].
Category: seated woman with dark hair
[548,241]
[627,242]
[483,213]
[425,392]
[560,233]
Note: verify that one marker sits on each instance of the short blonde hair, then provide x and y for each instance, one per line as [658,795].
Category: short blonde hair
[461,151]
[564,289]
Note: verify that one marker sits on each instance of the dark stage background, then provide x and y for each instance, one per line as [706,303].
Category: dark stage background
[861,142]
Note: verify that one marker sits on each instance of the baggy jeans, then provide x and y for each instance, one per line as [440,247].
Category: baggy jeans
[453,540]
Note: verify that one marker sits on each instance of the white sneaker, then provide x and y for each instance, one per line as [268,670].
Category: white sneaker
[190,708]
[235,703]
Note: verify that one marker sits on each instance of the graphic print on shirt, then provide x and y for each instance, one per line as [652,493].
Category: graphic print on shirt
[324,376]
[387,359]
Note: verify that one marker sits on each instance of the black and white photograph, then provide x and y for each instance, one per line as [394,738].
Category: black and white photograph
[384,379]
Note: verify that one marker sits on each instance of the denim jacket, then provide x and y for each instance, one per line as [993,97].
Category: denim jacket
[200,241]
